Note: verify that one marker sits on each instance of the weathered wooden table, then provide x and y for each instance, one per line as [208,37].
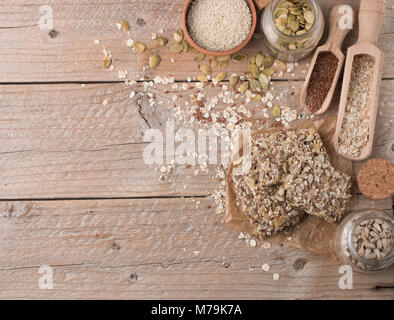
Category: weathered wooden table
[77,196]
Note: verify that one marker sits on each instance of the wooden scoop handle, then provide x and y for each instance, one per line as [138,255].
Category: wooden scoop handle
[370,19]
[337,32]
[260,4]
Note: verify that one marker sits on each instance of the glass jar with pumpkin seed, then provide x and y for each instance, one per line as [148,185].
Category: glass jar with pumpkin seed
[292,28]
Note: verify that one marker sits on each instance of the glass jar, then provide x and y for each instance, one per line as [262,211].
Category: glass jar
[287,47]
[354,241]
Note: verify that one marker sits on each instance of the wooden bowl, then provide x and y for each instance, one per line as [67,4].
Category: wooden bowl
[219,53]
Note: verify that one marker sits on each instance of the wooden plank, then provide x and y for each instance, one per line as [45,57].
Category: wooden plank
[61,141]
[94,246]
[29,54]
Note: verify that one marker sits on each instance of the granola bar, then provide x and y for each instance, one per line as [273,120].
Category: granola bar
[290,174]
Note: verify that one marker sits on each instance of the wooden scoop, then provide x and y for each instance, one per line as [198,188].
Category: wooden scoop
[370,18]
[333,45]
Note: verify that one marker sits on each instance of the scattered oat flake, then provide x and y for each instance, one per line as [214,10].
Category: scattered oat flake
[196,253]
[97,42]
[130,42]
[252,243]
[266,267]
[266,245]
[276,276]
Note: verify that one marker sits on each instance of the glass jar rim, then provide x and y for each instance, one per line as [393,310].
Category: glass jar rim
[369,215]
[316,10]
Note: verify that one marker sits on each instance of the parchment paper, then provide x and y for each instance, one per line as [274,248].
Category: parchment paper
[312,233]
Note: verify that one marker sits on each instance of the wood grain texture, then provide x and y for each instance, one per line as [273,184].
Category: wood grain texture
[29,54]
[95,246]
[60,141]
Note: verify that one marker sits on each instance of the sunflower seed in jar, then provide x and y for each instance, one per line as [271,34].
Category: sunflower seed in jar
[372,241]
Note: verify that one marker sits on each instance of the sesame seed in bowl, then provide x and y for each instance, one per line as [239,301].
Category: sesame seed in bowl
[219,26]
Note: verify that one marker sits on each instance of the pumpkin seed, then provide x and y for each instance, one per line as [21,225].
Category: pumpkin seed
[254,69]
[244,86]
[214,63]
[199,57]
[202,78]
[185,46]
[194,50]
[257,98]
[161,41]
[178,36]
[309,17]
[239,57]
[259,60]
[221,76]
[223,58]
[107,61]
[250,75]
[268,61]
[264,81]
[223,65]
[154,61]
[234,80]
[255,85]
[125,25]
[268,71]
[276,112]
[176,48]
[206,69]
[139,46]
[293,16]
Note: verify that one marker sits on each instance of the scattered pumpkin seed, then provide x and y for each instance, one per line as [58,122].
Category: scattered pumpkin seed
[107,61]
[257,98]
[199,57]
[194,50]
[244,86]
[178,36]
[139,46]
[255,85]
[185,46]
[154,61]
[259,60]
[268,61]
[250,75]
[206,69]
[161,41]
[223,58]
[202,77]
[268,71]
[176,48]
[214,63]
[239,57]
[233,80]
[254,69]
[125,25]
[221,76]
[264,81]
[276,112]
[223,65]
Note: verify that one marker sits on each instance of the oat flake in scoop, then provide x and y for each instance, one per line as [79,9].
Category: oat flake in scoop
[219,25]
